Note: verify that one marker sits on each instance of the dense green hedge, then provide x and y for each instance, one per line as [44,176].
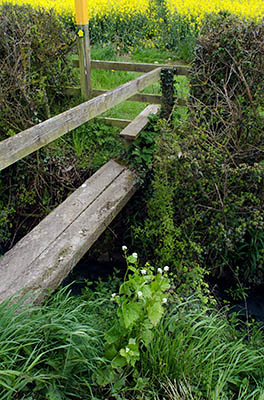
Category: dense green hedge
[206,213]
[33,65]
[34,48]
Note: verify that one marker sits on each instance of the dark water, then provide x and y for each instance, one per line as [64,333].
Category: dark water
[91,270]
[251,306]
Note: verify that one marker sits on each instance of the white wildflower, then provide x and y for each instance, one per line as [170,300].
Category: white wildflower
[143,272]
[127,349]
[113,295]
[135,255]
[139,293]
[166,268]
[164,300]
[159,270]
[124,248]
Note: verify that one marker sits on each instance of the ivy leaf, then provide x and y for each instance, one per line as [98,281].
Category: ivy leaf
[155,312]
[131,313]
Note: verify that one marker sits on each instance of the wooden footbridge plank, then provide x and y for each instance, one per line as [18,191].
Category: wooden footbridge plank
[42,259]
[131,131]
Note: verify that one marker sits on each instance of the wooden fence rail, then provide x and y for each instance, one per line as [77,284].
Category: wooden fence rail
[32,139]
[140,97]
[133,67]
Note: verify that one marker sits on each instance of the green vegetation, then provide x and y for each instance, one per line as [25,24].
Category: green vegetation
[168,349]
[50,352]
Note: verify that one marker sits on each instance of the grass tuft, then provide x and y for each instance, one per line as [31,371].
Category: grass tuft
[49,349]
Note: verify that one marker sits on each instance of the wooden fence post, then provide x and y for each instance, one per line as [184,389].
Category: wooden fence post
[82,17]
[167,89]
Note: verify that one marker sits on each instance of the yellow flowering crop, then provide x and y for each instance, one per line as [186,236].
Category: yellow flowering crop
[198,8]
[192,9]
[96,7]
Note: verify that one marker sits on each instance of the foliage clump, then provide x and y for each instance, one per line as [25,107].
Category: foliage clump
[50,351]
[219,193]
[34,68]
[33,51]
[206,211]
[228,87]
[223,164]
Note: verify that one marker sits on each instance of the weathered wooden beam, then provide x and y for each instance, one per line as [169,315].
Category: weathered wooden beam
[132,131]
[44,257]
[32,139]
[134,67]
[120,123]
[141,97]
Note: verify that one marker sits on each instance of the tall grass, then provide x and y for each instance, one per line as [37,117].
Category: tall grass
[51,351]
[54,352]
[198,354]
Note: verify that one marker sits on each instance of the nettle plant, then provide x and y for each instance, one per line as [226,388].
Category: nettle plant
[141,300]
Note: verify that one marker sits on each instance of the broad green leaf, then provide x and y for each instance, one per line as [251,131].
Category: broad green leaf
[118,361]
[147,325]
[125,288]
[131,259]
[164,285]
[131,354]
[114,333]
[110,352]
[141,383]
[146,292]
[53,394]
[119,383]
[147,337]
[104,376]
[131,313]
[155,312]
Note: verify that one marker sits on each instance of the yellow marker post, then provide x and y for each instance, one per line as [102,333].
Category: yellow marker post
[82,20]
[82,12]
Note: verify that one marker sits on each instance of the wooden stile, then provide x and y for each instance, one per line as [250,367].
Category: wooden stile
[17,147]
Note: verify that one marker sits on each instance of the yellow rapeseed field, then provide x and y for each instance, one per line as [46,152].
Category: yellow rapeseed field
[198,8]
[96,7]
[192,9]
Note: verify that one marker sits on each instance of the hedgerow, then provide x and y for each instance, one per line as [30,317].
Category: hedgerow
[33,69]
[212,167]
